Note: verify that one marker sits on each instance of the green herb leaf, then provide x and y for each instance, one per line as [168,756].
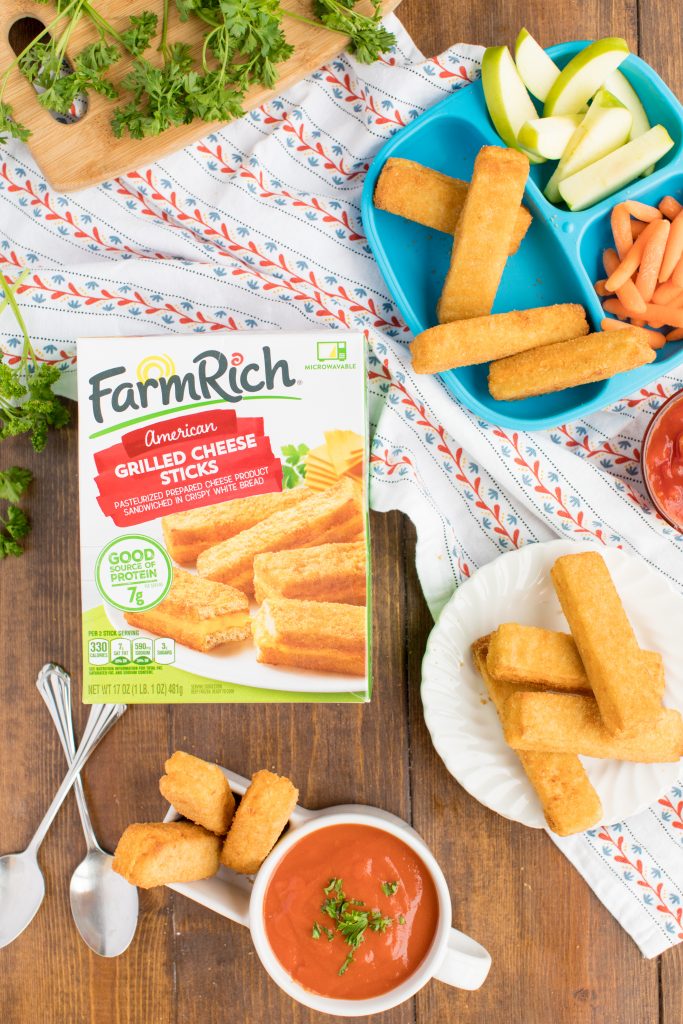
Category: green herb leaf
[367,36]
[347,963]
[138,36]
[315,932]
[401,919]
[389,888]
[13,482]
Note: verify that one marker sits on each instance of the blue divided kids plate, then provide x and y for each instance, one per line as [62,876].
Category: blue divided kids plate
[558,261]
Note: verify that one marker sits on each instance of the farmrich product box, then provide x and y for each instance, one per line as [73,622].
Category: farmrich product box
[224,522]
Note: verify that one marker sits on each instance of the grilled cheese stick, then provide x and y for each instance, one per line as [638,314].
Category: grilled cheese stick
[331,572]
[189,533]
[331,515]
[308,634]
[431,198]
[571,723]
[485,230]
[263,812]
[199,791]
[542,658]
[621,682]
[197,613]
[566,364]
[569,802]
[158,853]
[482,338]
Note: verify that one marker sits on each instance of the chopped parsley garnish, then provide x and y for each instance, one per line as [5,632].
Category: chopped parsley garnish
[401,919]
[352,918]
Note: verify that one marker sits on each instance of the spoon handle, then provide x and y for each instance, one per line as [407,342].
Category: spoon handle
[54,686]
[100,721]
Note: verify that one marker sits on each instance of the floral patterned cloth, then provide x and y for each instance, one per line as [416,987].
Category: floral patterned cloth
[258,225]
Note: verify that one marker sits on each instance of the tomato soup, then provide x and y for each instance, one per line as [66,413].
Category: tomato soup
[663,461]
[350,912]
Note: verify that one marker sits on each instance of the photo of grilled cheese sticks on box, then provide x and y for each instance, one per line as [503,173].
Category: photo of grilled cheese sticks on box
[592,692]
[300,554]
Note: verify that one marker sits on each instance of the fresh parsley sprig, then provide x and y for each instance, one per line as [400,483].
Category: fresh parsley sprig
[28,403]
[351,917]
[14,523]
[294,468]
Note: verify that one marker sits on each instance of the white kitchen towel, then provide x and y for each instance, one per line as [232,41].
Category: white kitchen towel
[258,226]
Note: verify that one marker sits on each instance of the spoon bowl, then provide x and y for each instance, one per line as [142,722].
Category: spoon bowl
[22,889]
[103,904]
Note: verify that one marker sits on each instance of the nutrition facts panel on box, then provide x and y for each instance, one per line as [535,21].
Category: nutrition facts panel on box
[126,651]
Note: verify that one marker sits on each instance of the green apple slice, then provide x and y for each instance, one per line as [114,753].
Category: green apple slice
[619,85]
[508,102]
[549,136]
[604,128]
[536,69]
[615,170]
[584,75]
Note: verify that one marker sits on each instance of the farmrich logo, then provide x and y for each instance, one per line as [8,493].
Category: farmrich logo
[217,376]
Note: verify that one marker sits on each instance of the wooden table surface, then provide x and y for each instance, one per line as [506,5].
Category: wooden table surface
[558,956]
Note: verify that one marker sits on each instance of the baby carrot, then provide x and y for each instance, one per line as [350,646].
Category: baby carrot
[617,308]
[631,260]
[670,207]
[658,316]
[620,221]
[654,338]
[627,293]
[642,211]
[637,228]
[675,335]
[651,260]
[674,248]
[667,293]
[600,289]
[677,276]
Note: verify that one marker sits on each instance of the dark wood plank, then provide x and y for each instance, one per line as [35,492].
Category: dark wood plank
[49,966]
[493,22]
[335,754]
[517,894]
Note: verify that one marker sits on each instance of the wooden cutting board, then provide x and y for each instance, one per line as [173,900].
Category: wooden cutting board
[74,156]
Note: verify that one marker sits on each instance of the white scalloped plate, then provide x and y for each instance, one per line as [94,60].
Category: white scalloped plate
[462,721]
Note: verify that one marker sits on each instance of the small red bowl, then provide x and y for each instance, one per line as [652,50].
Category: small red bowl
[677,397]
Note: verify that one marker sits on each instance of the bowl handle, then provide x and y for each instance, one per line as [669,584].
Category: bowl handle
[465,963]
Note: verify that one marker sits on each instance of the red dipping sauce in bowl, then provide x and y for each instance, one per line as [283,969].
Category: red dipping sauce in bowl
[663,460]
[386,878]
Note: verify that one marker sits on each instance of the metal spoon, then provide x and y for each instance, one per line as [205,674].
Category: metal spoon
[104,905]
[22,886]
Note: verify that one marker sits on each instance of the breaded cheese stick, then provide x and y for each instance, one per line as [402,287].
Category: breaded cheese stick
[621,682]
[309,634]
[428,197]
[567,364]
[482,338]
[484,233]
[188,533]
[263,812]
[571,723]
[199,791]
[330,572]
[330,515]
[158,853]
[197,613]
[545,659]
[569,802]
